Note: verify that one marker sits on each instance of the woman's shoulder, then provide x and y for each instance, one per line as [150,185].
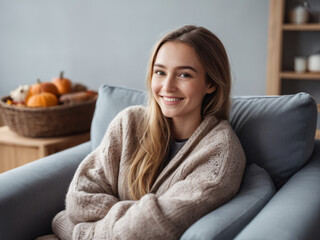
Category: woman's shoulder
[128,122]
[133,112]
[222,132]
[132,115]
[222,138]
[224,125]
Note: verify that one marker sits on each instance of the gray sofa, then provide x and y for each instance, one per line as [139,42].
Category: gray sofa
[279,196]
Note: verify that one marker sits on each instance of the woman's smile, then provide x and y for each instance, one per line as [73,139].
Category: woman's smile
[171,100]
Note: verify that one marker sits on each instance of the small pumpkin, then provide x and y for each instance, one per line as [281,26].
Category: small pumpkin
[64,85]
[43,99]
[43,87]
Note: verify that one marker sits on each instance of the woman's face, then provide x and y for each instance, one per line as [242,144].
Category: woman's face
[178,82]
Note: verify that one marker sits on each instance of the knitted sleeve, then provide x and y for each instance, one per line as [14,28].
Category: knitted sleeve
[168,215]
[92,193]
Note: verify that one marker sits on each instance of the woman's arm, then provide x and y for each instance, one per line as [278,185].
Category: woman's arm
[90,194]
[92,191]
[169,215]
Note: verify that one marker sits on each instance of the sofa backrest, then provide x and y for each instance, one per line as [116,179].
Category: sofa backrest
[276,132]
[111,100]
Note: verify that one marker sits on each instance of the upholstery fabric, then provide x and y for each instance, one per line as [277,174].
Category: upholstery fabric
[294,211]
[276,133]
[32,194]
[110,102]
[227,221]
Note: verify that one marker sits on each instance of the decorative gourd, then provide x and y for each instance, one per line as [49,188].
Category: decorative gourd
[20,94]
[43,99]
[79,87]
[43,87]
[64,85]
[77,97]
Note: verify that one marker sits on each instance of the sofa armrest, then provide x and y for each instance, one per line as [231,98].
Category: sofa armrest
[294,212]
[229,219]
[32,194]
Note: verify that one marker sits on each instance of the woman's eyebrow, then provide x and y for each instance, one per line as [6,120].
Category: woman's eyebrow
[180,67]
[159,65]
[187,67]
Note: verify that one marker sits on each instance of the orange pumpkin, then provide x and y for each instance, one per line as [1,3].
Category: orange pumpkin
[43,87]
[64,85]
[43,99]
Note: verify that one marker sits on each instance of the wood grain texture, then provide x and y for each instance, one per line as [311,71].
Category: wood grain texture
[16,150]
[301,27]
[1,120]
[300,76]
[276,17]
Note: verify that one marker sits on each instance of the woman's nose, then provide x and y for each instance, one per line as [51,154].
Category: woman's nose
[169,84]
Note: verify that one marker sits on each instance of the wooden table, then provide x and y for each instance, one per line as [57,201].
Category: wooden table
[16,150]
[1,120]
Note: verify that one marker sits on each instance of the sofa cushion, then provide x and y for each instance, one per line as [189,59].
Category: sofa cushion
[111,100]
[276,132]
[228,220]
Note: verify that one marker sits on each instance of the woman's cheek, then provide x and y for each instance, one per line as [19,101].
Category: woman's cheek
[155,87]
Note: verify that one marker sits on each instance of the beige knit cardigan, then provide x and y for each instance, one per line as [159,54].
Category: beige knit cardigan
[203,175]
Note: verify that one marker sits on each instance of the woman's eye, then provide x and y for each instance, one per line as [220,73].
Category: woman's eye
[185,75]
[158,72]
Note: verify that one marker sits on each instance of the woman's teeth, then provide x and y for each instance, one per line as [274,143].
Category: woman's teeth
[171,99]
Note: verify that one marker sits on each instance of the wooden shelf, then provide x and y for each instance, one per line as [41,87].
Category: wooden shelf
[317,134]
[277,30]
[277,27]
[301,27]
[301,76]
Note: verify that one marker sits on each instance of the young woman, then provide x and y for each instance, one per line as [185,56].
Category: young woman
[162,167]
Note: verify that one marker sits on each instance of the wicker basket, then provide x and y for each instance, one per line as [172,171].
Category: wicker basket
[52,121]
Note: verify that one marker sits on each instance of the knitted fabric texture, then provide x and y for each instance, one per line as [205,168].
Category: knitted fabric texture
[204,174]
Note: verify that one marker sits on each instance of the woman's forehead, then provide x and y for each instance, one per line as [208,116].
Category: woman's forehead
[177,54]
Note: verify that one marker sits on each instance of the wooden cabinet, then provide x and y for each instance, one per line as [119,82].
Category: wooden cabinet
[285,41]
[16,150]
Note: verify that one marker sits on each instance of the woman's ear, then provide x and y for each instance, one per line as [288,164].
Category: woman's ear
[211,88]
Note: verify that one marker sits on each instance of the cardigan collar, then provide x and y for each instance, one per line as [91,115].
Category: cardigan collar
[205,126]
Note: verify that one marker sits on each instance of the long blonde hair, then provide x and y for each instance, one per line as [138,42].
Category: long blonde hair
[154,142]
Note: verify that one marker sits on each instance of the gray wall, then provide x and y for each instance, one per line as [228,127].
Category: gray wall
[105,41]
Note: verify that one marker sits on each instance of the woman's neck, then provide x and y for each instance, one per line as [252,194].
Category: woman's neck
[184,129]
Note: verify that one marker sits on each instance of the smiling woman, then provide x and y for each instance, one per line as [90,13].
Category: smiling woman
[162,167]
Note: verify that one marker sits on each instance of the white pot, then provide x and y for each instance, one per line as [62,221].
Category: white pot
[314,63]
[299,15]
